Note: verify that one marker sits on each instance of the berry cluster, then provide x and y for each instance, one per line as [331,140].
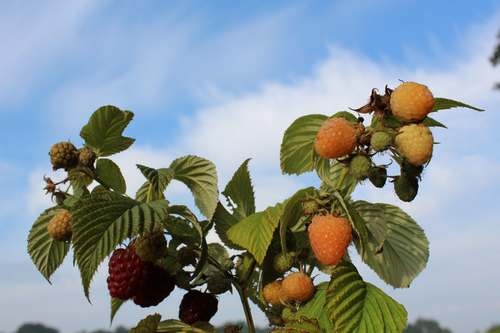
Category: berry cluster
[295,287]
[143,281]
[397,127]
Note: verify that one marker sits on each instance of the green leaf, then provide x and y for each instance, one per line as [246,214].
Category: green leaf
[292,212]
[315,308]
[148,324]
[405,249]
[337,177]
[240,196]
[358,307]
[116,304]
[223,221]
[357,222]
[46,253]
[105,220]
[431,122]
[220,254]
[239,192]
[346,115]
[110,174]
[299,325]
[255,232]
[175,326]
[445,103]
[297,153]
[156,184]
[187,215]
[200,176]
[103,132]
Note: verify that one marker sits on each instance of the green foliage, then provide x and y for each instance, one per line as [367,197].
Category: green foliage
[399,249]
[297,153]
[103,132]
[431,122]
[445,103]
[255,232]
[314,309]
[427,326]
[240,199]
[35,328]
[102,221]
[355,306]
[115,306]
[239,192]
[494,329]
[292,213]
[156,184]
[336,176]
[110,175]
[173,326]
[148,324]
[200,176]
[47,254]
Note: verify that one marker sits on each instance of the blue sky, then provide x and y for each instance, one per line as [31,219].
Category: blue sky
[200,76]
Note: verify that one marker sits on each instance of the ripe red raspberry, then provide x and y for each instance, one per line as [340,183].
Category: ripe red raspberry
[329,237]
[197,306]
[125,272]
[59,226]
[297,286]
[411,101]
[335,138]
[155,284]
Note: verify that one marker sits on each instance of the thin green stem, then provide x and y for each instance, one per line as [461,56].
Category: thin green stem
[246,308]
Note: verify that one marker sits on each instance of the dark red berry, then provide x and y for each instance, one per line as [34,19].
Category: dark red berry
[154,286]
[125,271]
[197,306]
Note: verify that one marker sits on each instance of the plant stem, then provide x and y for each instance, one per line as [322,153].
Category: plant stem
[246,308]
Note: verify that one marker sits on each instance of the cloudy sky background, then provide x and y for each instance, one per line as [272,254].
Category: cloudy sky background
[223,81]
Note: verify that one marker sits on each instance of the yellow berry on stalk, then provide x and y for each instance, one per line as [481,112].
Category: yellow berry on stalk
[297,286]
[415,143]
[59,227]
[411,101]
[335,138]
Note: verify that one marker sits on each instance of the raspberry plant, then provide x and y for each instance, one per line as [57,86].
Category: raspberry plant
[271,257]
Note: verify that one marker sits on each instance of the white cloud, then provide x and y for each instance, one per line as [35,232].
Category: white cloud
[32,38]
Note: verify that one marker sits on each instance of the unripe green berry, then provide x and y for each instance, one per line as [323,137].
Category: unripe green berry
[283,261]
[360,166]
[381,141]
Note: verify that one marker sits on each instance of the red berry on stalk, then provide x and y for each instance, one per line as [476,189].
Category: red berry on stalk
[125,272]
[197,306]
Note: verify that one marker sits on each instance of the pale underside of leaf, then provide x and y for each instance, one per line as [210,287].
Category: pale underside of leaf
[46,253]
[358,307]
[404,252]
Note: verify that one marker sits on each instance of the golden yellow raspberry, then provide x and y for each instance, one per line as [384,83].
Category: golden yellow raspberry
[411,101]
[272,293]
[335,138]
[415,143]
[297,286]
[59,227]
